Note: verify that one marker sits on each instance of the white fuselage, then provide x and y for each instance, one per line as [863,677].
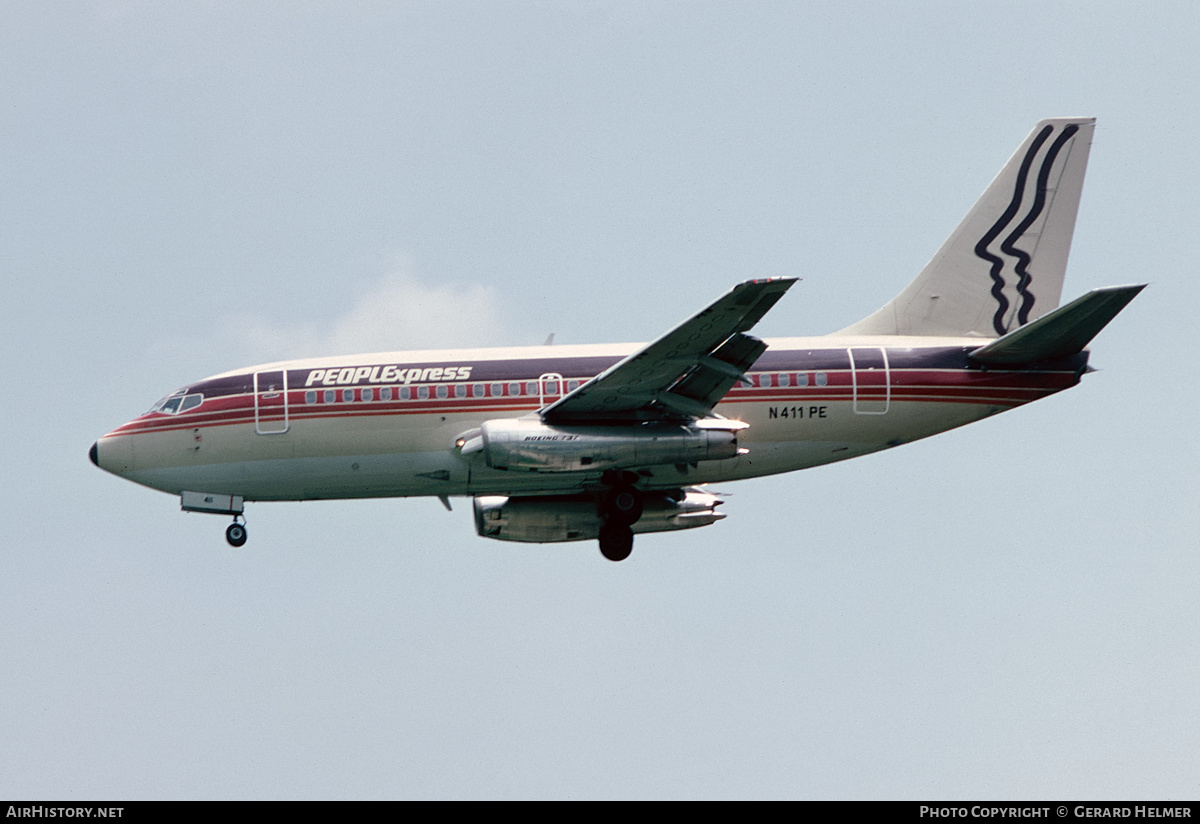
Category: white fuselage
[386,424]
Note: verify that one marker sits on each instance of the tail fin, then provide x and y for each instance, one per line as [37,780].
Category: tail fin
[1004,265]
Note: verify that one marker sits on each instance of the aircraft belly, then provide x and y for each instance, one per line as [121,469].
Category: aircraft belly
[298,479]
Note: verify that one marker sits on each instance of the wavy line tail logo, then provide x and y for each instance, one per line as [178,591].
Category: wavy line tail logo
[1008,263]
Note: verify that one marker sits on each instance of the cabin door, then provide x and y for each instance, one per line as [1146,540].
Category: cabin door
[271,403]
[872,380]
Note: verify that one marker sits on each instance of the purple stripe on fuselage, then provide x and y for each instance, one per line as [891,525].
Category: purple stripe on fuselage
[526,369]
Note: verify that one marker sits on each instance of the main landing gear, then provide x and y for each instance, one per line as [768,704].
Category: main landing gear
[236,532]
[616,541]
[620,507]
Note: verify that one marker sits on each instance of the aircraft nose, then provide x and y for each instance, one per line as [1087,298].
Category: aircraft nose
[113,455]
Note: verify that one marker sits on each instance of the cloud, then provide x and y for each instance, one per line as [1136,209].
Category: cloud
[396,312]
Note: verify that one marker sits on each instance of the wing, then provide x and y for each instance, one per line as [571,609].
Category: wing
[683,374]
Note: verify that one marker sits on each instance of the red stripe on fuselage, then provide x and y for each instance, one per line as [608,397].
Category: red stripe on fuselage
[919,385]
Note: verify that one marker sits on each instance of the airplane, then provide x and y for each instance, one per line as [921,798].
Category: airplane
[599,442]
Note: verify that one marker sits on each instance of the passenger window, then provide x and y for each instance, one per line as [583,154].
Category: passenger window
[497,390]
[802,379]
[514,389]
[822,379]
[405,393]
[572,386]
[764,380]
[423,392]
[310,396]
[368,394]
[785,379]
[442,391]
[330,395]
[385,394]
[460,391]
[347,395]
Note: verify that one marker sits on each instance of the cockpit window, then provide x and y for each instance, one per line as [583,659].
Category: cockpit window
[174,404]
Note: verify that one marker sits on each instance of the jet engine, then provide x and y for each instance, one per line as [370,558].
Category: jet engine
[533,446]
[554,518]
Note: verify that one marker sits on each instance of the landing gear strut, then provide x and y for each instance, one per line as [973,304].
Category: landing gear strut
[621,508]
[236,533]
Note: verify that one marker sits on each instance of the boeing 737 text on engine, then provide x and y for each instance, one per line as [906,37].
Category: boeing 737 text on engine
[573,443]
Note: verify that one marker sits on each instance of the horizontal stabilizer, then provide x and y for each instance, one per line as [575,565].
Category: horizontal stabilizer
[1062,333]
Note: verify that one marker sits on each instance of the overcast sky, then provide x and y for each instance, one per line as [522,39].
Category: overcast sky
[1008,610]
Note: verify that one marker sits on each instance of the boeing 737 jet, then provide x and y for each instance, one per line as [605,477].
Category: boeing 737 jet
[574,443]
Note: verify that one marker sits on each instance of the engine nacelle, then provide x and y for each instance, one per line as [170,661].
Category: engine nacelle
[554,518]
[533,446]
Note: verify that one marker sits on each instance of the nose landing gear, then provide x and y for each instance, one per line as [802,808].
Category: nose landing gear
[219,504]
[236,532]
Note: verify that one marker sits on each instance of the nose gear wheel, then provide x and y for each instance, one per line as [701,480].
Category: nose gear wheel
[235,534]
